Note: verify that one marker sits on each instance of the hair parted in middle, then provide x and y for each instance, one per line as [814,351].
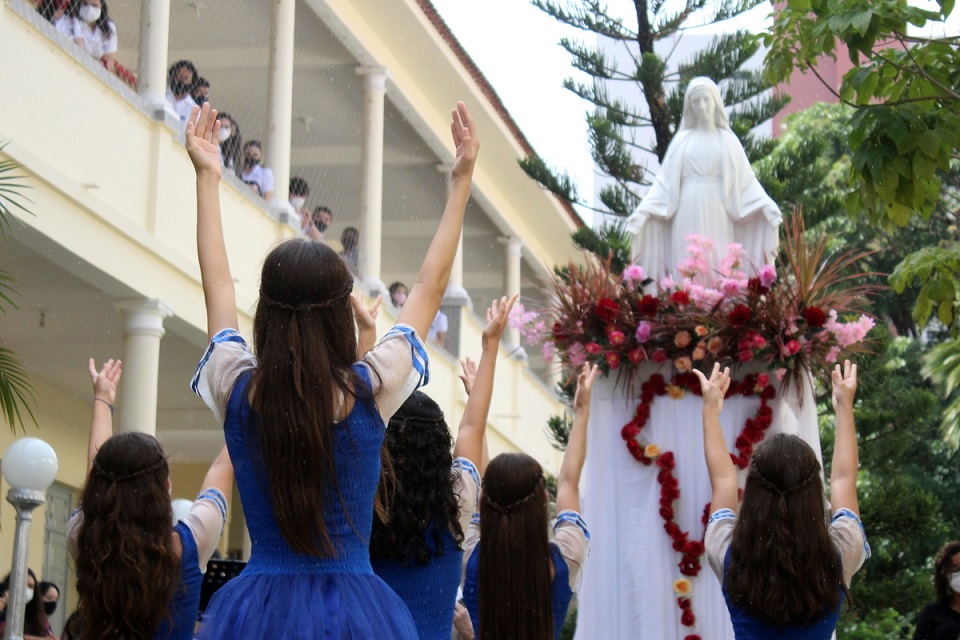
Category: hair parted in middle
[515,595]
[128,567]
[305,340]
[784,568]
[420,447]
[942,571]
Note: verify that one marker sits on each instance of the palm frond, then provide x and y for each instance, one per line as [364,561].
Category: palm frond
[16,392]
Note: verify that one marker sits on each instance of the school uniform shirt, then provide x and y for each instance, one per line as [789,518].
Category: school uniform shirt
[260,175]
[439,325]
[94,41]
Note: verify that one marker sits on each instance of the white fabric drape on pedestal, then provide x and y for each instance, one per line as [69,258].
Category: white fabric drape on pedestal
[627,589]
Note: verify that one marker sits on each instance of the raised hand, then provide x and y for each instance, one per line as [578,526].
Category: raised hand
[844,385]
[715,388]
[366,318]
[465,140]
[497,316]
[581,400]
[469,373]
[105,381]
[201,140]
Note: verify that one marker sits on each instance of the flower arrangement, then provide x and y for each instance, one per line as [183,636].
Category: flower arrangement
[809,316]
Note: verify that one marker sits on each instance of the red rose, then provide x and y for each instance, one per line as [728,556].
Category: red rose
[637,355]
[657,382]
[814,316]
[684,603]
[768,393]
[687,619]
[666,461]
[607,309]
[659,356]
[745,356]
[630,431]
[693,548]
[692,636]
[740,315]
[593,348]
[755,286]
[678,541]
[636,449]
[649,305]
[792,347]
[666,513]
[613,359]
[559,335]
[680,297]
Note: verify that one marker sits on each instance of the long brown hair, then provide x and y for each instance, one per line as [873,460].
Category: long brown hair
[515,596]
[305,339]
[784,569]
[127,561]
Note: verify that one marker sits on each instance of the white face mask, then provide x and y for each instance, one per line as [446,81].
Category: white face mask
[224,134]
[89,13]
[955,581]
[297,202]
[28,594]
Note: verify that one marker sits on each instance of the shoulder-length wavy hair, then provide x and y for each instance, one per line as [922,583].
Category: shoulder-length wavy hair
[305,338]
[515,596]
[127,561]
[784,569]
[942,568]
[420,447]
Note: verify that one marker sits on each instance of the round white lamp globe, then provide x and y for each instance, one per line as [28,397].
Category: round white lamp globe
[30,463]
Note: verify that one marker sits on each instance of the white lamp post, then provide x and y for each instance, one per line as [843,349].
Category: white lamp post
[29,467]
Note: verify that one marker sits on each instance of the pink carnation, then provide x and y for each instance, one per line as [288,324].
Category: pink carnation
[643,331]
[634,273]
[549,351]
[577,355]
[832,354]
[731,287]
[767,275]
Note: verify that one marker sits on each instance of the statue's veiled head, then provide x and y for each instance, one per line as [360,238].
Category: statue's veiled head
[703,106]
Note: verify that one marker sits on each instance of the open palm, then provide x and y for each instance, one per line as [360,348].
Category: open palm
[201,139]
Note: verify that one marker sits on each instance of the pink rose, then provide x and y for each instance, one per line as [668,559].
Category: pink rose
[767,275]
[643,331]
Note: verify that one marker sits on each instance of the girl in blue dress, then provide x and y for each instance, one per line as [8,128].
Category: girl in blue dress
[137,578]
[419,551]
[518,583]
[784,565]
[304,418]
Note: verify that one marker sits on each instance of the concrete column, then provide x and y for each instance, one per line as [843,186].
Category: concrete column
[371,176]
[152,67]
[511,280]
[142,330]
[280,105]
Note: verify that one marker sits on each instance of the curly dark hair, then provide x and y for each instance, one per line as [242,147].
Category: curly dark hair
[128,567]
[784,568]
[420,446]
[942,568]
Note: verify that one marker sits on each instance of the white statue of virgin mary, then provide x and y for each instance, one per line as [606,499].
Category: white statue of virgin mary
[705,186]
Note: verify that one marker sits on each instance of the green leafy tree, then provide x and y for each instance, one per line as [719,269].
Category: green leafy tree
[618,128]
[16,392]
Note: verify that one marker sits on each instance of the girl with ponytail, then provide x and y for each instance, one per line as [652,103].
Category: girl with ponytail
[785,565]
[138,572]
[518,583]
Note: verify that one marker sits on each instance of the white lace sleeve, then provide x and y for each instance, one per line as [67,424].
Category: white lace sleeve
[206,520]
[399,367]
[717,538]
[848,536]
[467,489]
[226,358]
[573,538]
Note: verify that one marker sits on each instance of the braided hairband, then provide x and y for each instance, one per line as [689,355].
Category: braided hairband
[777,491]
[306,306]
[114,478]
[537,491]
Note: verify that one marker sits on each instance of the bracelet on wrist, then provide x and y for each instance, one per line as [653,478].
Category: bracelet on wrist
[96,399]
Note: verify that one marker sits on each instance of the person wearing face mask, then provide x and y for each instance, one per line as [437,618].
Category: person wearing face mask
[94,31]
[941,620]
[254,172]
[50,596]
[231,143]
[299,192]
[36,626]
[181,80]
[398,294]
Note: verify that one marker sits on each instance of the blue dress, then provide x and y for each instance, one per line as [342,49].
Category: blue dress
[285,594]
[186,599]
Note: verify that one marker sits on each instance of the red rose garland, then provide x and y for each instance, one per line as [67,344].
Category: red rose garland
[692,550]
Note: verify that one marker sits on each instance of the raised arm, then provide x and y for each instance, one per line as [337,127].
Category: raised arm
[846,458]
[366,319]
[220,474]
[723,473]
[473,425]
[218,289]
[104,395]
[425,296]
[568,482]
